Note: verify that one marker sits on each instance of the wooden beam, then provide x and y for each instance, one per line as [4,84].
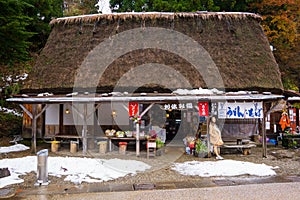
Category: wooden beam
[84,116]
[27,111]
[42,111]
[34,115]
[84,130]
[77,111]
[147,109]
[137,146]
[61,118]
[34,128]
[208,137]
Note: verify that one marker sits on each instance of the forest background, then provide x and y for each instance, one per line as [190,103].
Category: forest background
[24,29]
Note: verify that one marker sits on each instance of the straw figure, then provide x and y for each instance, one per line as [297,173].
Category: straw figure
[285,121]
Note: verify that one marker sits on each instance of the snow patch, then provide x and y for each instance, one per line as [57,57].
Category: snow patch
[7,110]
[223,168]
[14,148]
[75,170]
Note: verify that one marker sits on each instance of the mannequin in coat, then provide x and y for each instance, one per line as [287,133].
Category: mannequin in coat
[215,137]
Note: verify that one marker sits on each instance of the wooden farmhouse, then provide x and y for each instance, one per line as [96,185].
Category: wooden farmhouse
[168,70]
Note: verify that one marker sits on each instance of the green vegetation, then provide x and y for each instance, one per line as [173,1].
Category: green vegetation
[200,147]
[10,124]
[24,27]
[14,36]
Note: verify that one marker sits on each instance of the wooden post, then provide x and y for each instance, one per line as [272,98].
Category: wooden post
[34,116]
[208,136]
[137,139]
[61,118]
[34,128]
[84,116]
[138,129]
[84,130]
[264,137]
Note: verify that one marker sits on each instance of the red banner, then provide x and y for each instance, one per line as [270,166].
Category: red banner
[203,109]
[133,108]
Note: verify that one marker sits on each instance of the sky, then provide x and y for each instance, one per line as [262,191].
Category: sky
[78,170]
[103,7]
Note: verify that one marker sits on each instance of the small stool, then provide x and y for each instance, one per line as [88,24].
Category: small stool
[246,151]
[54,146]
[151,148]
[122,147]
[102,147]
[73,146]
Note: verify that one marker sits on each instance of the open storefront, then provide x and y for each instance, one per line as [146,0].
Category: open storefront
[89,118]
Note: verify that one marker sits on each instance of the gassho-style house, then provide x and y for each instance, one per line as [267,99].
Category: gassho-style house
[135,74]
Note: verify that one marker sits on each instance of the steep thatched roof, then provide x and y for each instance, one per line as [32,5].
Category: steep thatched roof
[234,41]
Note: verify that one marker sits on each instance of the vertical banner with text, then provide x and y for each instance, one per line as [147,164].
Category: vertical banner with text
[203,109]
[133,108]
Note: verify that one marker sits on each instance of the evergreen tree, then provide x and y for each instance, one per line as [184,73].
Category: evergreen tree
[163,5]
[13,33]
[24,27]
[42,12]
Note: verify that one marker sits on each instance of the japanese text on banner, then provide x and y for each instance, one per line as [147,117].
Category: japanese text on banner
[203,109]
[133,108]
[246,110]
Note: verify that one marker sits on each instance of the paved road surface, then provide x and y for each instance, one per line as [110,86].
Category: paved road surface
[274,191]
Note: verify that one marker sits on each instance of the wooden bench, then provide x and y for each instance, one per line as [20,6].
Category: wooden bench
[244,148]
[60,138]
[68,137]
[242,145]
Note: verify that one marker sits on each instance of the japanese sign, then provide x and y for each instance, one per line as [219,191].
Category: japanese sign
[203,109]
[133,108]
[246,110]
[178,106]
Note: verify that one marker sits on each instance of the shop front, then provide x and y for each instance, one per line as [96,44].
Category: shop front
[139,118]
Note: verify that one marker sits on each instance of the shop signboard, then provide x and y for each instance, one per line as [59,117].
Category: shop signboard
[177,106]
[243,110]
[133,108]
[203,109]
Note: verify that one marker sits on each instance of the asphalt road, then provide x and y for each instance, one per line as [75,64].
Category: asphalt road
[290,191]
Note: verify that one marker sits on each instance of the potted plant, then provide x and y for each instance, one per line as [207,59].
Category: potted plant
[289,140]
[201,149]
[159,147]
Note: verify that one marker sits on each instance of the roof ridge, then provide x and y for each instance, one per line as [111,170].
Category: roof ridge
[152,15]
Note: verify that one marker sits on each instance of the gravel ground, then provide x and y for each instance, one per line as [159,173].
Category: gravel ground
[287,161]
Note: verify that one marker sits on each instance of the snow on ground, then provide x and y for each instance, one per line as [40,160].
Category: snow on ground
[74,169]
[223,168]
[78,170]
[14,148]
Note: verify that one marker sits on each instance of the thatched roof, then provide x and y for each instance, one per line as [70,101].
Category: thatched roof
[235,42]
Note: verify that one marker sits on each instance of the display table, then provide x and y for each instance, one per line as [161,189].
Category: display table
[121,139]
